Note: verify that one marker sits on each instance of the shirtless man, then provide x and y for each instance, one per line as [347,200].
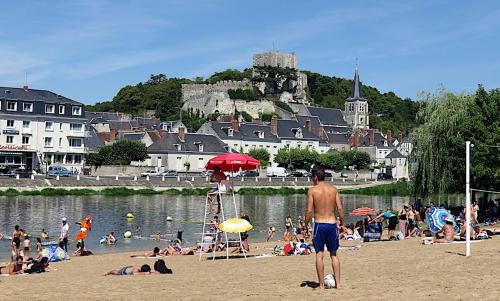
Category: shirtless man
[16,241]
[324,199]
[131,270]
[447,232]
[13,268]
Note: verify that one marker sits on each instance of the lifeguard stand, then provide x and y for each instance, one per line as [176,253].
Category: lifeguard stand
[211,236]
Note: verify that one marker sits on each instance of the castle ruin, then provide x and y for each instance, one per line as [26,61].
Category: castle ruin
[275,74]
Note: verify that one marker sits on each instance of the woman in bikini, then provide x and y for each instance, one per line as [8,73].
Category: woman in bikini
[16,241]
[288,226]
[403,217]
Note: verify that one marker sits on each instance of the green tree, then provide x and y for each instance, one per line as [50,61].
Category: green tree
[260,154]
[297,158]
[358,159]
[438,157]
[332,160]
[119,153]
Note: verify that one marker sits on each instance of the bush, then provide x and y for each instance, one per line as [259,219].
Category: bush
[245,94]
[283,105]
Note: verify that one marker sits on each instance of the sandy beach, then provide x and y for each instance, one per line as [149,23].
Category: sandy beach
[386,270]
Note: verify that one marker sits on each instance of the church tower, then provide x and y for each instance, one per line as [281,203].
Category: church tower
[356,107]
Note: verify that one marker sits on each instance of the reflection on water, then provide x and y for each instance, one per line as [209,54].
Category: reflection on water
[36,212]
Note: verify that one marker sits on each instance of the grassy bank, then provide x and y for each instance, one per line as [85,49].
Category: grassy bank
[394,189]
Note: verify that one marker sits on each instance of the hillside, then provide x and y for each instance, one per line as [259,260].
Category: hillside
[387,110]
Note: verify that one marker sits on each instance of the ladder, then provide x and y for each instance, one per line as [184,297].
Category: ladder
[211,236]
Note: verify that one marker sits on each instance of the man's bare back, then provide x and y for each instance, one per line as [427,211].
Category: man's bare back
[325,199]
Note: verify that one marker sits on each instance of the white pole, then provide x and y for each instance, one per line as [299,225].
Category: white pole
[467,198]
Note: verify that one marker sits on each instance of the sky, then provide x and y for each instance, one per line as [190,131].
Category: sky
[88,50]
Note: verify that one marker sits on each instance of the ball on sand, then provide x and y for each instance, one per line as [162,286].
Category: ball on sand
[130,215]
[127,234]
[169,218]
[329,281]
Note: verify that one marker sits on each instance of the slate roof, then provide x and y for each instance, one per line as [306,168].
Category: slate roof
[395,154]
[379,140]
[356,89]
[211,144]
[148,123]
[247,132]
[35,95]
[338,138]
[328,116]
[133,136]
[92,141]
[123,125]
[336,129]
[286,130]
[100,117]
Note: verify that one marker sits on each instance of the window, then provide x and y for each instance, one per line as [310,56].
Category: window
[9,139]
[201,163]
[27,107]
[26,139]
[60,142]
[78,159]
[200,147]
[77,111]
[11,106]
[75,142]
[26,124]
[48,141]
[230,132]
[61,109]
[76,127]
[49,125]
[50,109]
[10,123]
[60,126]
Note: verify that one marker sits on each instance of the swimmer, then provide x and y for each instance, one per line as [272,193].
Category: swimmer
[270,233]
[44,235]
[111,239]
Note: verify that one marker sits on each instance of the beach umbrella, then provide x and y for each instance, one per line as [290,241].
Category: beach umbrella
[436,219]
[363,211]
[232,162]
[235,225]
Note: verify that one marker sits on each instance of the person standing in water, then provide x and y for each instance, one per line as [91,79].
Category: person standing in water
[16,241]
[324,199]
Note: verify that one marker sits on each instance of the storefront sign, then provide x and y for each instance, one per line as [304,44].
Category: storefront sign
[10,132]
[14,147]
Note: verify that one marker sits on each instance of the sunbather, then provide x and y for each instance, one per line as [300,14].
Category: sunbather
[131,270]
[171,251]
[13,267]
[154,253]
[447,233]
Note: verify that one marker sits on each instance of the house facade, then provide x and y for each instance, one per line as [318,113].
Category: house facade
[39,127]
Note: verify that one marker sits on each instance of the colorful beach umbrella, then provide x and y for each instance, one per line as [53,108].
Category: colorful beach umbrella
[232,162]
[235,225]
[363,211]
[436,219]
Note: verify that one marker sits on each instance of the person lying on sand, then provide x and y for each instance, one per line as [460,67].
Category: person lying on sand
[131,270]
[171,251]
[13,267]
[37,266]
[154,253]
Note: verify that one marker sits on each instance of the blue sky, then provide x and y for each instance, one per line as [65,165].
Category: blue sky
[88,50]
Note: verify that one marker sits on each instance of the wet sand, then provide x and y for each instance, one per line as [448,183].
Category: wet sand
[377,271]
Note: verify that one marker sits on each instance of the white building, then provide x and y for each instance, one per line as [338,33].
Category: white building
[40,126]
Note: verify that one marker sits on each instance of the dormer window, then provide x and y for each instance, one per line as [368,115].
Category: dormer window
[27,107]
[76,111]
[230,132]
[200,147]
[50,109]
[259,134]
[177,147]
[297,132]
[11,106]
[61,109]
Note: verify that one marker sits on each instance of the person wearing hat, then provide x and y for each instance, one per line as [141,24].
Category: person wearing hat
[447,233]
[63,238]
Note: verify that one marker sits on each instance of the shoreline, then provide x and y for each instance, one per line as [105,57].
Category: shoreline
[373,188]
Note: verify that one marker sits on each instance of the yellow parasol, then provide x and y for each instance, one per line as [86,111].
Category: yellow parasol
[235,225]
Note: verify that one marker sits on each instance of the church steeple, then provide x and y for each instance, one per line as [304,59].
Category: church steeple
[356,88]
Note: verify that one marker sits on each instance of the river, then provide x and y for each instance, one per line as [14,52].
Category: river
[33,213]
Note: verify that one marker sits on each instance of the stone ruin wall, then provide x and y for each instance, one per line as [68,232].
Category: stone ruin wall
[275,59]
[197,91]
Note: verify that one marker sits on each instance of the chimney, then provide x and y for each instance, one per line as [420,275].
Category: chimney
[321,131]
[371,137]
[182,133]
[400,137]
[235,125]
[308,125]
[153,119]
[356,139]
[257,121]
[162,133]
[25,88]
[274,125]
[112,135]
[389,137]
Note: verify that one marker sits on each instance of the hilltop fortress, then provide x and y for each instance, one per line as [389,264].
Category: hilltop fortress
[275,75]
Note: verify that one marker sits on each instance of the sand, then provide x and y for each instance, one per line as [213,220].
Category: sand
[377,271]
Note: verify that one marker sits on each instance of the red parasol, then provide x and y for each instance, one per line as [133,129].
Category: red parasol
[232,162]
[363,211]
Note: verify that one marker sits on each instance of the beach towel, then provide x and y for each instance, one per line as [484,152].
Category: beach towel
[54,254]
